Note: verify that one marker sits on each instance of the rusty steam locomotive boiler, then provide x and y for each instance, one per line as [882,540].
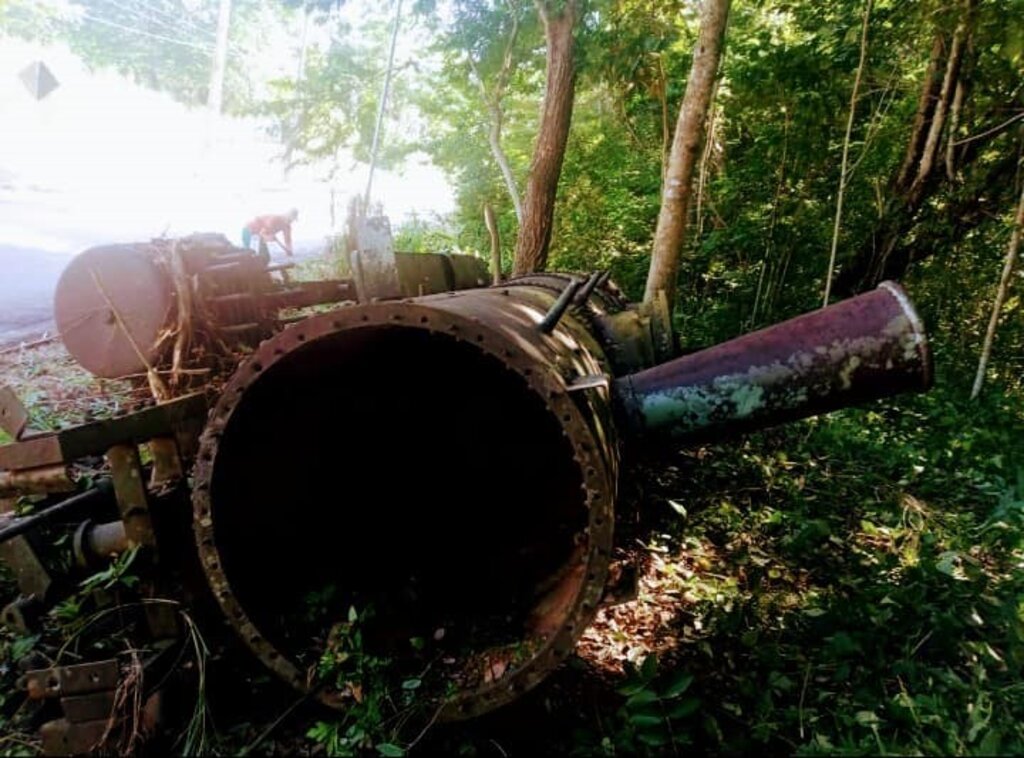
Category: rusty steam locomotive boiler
[452,460]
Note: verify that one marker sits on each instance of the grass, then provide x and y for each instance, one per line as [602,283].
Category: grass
[58,392]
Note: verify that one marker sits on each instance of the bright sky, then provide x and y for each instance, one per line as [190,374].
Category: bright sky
[103,160]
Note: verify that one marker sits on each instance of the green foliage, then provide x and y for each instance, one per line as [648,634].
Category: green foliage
[418,235]
[656,713]
[166,45]
[116,574]
[377,706]
[867,582]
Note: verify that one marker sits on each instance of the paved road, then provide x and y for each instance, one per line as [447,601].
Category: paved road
[27,281]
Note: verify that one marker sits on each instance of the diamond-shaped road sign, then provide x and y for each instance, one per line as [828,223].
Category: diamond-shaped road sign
[38,80]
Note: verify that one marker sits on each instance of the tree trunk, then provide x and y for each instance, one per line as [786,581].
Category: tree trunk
[676,191]
[539,206]
[917,179]
[498,153]
[1012,251]
[492,100]
[954,124]
[215,97]
[925,108]
[843,176]
[492,229]
[931,145]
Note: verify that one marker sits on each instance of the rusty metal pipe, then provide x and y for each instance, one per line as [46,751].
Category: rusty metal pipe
[91,498]
[869,347]
[43,480]
[374,429]
[94,543]
[510,567]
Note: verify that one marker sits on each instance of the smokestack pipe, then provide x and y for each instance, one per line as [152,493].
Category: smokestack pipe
[865,348]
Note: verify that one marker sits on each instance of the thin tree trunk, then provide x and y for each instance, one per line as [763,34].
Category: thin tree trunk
[1012,252]
[676,191]
[931,145]
[925,108]
[954,124]
[497,114]
[666,131]
[498,153]
[702,174]
[539,206]
[843,176]
[379,127]
[769,244]
[215,97]
[916,180]
[492,230]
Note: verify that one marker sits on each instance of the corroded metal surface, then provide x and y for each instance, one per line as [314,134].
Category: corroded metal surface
[35,481]
[502,324]
[443,388]
[372,259]
[111,305]
[180,418]
[131,494]
[76,679]
[430,273]
[865,348]
[66,737]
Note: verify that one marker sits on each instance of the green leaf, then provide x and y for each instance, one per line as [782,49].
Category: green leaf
[643,697]
[389,749]
[411,684]
[679,684]
[649,667]
[631,688]
[21,646]
[991,743]
[684,708]
[353,615]
[653,739]
[644,719]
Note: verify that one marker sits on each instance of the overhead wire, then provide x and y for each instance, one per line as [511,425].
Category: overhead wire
[168,18]
[142,32]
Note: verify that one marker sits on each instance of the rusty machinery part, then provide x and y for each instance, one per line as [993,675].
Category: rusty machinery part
[43,480]
[869,347]
[634,337]
[180,419]
[95,542]
[117,306]
[91,498]
[122,278]
[451,389]
[430,273]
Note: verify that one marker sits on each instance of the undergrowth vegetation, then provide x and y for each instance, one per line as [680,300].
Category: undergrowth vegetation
[864,589]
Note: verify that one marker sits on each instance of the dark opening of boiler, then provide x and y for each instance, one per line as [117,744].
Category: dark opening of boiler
[403,471]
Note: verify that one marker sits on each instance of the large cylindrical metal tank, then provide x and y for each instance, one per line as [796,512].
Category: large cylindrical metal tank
[452,461]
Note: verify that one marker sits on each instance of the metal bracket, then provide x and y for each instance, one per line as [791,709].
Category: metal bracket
[78,679]
[560,306]
[130,491]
